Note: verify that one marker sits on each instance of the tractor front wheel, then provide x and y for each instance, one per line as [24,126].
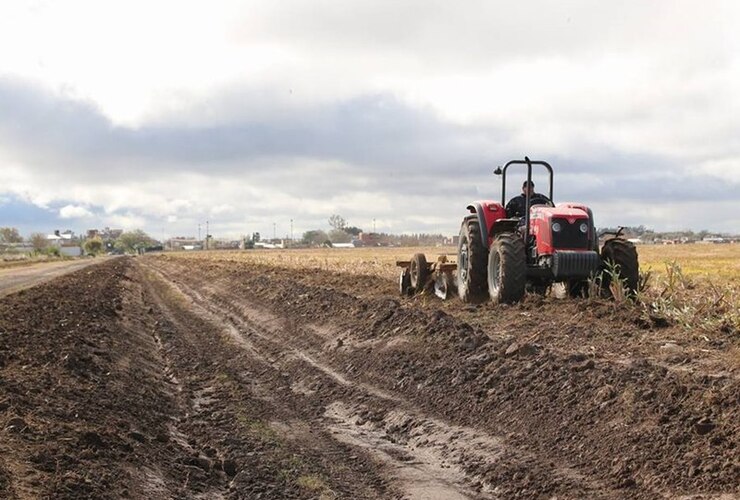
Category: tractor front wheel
[619,260]
[471,262]
[507,269]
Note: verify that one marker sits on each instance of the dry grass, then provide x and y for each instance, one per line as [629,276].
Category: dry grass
[355,261]
[20,260]
[718,263]
[713,262]
[706,304]
[697,286]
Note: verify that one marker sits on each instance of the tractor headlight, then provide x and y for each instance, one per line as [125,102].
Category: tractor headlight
[584,227]
[556,227]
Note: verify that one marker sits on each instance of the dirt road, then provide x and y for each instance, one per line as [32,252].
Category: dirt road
[168,380]
[17,278]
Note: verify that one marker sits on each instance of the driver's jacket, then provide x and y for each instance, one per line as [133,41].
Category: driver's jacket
[516,206]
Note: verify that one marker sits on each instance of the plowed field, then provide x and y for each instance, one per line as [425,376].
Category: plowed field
[178,377]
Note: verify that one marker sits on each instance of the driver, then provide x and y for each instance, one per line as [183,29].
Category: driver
[517,205]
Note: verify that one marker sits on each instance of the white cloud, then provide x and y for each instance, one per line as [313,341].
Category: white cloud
[253,113]
[129,221]
[222,209]
[722,168]
[74,212]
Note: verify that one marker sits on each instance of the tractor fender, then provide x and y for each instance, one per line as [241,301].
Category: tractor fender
[477,208]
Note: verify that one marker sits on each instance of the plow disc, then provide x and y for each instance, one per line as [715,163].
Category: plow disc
[419,276]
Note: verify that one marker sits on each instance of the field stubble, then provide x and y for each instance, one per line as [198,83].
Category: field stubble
[695,285]
[716,262]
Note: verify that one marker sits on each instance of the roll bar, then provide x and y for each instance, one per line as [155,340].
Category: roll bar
[502,171]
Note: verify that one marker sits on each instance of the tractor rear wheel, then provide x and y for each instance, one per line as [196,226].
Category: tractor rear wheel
[472,256]
[507,269]
[619,259]
[419,272]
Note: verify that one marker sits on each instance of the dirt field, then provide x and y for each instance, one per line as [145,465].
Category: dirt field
[207,376]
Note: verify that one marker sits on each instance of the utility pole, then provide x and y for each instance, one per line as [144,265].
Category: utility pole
[199,240]
[274,231]
[291,232]
[373,224]
[208,235]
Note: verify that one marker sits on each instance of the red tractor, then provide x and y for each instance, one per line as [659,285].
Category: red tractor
[501,257]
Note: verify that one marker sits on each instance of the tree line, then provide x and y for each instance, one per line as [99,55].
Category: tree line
[342,232]
[127,242]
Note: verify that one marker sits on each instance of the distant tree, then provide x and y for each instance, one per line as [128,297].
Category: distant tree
[38,241]
[353,230]
[131,241]
[10,235]
[94,246]
[52,251]
[337,222]
[315,237]
[339,236]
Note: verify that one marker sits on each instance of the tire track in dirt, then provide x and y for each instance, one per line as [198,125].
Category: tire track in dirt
[457,455]
[242,393]
[419,475]
[641,429]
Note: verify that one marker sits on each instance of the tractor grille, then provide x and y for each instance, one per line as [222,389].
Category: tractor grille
[570,236]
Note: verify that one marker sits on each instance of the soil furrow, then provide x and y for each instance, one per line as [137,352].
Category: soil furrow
[240,394]
[407,476]
[281,334]
[635,429]
[154,378]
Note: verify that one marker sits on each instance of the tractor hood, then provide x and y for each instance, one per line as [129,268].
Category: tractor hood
[569,213]
[561,228]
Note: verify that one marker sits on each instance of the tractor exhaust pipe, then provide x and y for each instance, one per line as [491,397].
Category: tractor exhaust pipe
[526,204]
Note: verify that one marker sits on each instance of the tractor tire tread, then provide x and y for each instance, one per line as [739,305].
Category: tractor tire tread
[476,287]
[623,254]
[418,272]
[513,267]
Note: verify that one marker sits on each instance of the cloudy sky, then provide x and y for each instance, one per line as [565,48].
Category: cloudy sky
[162,115]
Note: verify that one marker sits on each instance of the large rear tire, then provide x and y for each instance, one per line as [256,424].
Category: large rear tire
[621,256]
[472,258]
[507,269]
